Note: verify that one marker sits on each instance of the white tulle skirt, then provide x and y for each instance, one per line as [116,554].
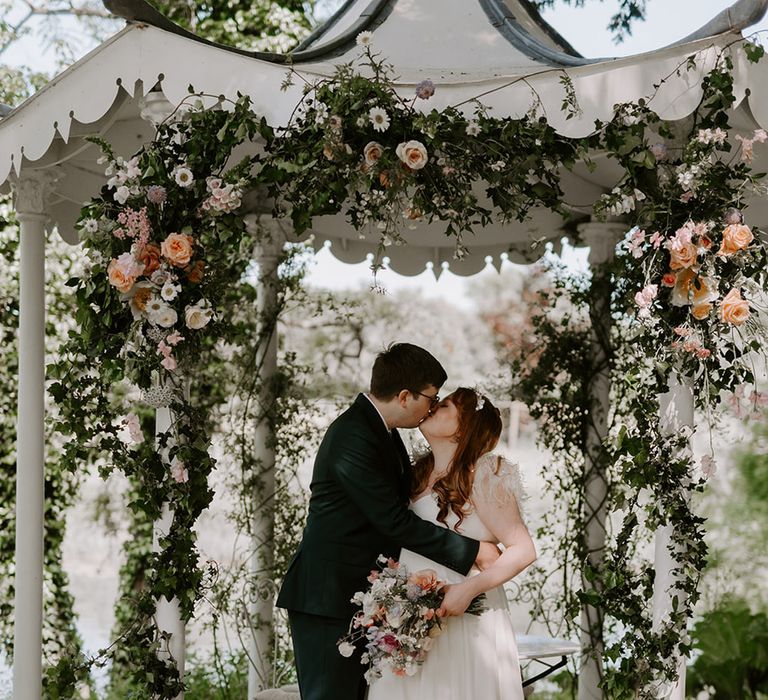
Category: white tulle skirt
[475,658]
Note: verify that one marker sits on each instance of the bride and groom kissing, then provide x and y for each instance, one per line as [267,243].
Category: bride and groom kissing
[446,512]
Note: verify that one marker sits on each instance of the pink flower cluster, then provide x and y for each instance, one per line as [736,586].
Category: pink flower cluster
[224,198]
[165,348]
[690,343]
[135,224]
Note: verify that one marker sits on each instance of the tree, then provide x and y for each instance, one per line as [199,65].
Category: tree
[620,24]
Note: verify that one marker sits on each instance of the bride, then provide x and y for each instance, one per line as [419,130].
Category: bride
[461,484]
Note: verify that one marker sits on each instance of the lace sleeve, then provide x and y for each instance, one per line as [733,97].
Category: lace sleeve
[498,482]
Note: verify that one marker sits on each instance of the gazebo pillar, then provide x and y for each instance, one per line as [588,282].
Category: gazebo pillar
[31,193]
[262,595]
[676,413]
[155,109]
[168,614]
[601,239]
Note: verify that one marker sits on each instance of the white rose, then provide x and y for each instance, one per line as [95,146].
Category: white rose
[165,317]
[413,154]
[197,316]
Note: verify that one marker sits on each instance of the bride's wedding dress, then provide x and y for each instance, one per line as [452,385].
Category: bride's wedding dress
[475,657]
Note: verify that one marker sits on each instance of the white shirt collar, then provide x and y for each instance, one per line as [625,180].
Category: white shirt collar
[377,411]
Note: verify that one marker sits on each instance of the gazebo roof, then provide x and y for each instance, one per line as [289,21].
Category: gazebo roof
[500,52]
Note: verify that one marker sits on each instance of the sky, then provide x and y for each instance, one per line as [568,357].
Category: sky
[584,28]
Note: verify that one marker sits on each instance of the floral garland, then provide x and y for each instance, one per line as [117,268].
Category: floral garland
[167,255]
[355,145]
[683,288]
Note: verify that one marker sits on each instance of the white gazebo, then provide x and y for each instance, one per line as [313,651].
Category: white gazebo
[498,51]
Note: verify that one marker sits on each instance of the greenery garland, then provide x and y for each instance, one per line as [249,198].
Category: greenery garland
[676,299]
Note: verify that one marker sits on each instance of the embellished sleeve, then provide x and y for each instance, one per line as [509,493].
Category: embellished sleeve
[498,482]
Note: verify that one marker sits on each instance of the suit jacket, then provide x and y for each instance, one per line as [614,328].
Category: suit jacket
[358,509]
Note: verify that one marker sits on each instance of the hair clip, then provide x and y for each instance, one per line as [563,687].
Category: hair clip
[480,402]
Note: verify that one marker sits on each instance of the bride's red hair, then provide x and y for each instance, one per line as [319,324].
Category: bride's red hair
[478,433]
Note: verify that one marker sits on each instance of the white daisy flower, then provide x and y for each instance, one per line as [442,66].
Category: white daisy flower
[90,226]
[183,176]
[170,290]
[473,128]
[379,118]
[364,38]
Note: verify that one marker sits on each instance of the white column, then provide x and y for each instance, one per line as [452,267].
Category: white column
[676,413]
[31,192]
[168,615]
[601,239]
[263,527]
[155,108]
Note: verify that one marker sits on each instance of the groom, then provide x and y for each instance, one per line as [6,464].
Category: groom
[358,509]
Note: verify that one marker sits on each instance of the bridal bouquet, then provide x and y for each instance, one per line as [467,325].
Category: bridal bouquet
[398,620]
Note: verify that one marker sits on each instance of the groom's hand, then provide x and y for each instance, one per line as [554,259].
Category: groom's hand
[487,555]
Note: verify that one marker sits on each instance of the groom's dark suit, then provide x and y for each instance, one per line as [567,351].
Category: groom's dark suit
[358,509]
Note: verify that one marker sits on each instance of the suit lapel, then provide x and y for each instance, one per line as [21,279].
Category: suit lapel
[391,442]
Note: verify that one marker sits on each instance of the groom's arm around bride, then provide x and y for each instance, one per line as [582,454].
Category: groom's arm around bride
[358,509]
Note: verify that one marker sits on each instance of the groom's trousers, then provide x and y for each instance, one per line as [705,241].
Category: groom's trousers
[324,674]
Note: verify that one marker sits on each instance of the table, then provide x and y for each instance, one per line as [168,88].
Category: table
[529,648]
[536,648]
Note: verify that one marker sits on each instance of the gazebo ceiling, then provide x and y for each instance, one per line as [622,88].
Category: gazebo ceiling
[501,52]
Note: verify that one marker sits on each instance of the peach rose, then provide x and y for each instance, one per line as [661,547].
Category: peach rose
[413,154]
[142,297]
[734,309]
[372,152]
[692,289]
[683,256]
[736,237]
[426,579]
[150,256]
[701,311]
[384,178]
[123,271]
[177,249]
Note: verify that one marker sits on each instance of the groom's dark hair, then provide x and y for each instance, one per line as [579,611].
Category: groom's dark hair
[404,366]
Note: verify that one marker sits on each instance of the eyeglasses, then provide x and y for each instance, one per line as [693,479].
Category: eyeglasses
[433,400]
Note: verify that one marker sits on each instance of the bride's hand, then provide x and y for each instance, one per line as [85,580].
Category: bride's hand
[457,598]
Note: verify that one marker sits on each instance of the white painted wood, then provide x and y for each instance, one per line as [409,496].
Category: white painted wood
[168,617]
[601,239]
[262,594]
[677,413]
[31,195]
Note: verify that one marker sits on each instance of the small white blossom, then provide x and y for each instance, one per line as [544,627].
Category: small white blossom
[364,39]
[379,119]
[473,128]
[183,176]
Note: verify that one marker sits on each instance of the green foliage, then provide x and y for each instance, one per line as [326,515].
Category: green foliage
[732,646]
[333,158]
